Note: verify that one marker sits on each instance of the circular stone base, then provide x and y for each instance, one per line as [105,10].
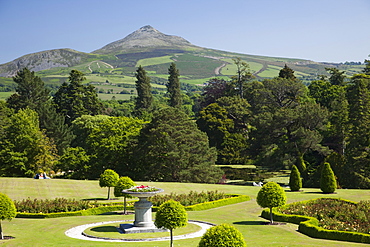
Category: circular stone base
[78,232]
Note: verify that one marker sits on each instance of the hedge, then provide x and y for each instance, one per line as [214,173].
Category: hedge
[90,211]
[104,209]
[309,226]
[218,203]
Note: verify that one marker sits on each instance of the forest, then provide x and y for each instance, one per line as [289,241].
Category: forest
[180,135]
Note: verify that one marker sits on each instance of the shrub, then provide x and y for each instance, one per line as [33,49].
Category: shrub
[271,195]
[295,181]
[223,235]
[328,183]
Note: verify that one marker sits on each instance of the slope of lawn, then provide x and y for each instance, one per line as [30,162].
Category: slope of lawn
[244,216]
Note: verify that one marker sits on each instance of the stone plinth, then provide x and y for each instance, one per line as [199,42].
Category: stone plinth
[143,213]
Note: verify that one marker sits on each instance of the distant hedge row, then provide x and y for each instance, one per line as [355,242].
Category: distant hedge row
[309,226]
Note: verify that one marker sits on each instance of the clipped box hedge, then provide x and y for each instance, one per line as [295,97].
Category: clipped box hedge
[309,226]
[104,209]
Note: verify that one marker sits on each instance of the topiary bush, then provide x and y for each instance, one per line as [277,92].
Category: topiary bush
[108,178]
[223,235]
[123,184]
[328,183]
[271,195]
[295,181]
[171,215]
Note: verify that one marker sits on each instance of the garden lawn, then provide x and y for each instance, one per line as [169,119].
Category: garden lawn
[244,216]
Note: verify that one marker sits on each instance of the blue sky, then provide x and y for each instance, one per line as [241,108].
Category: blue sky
[318,30]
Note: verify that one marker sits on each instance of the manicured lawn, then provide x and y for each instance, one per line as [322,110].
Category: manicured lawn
[244,216]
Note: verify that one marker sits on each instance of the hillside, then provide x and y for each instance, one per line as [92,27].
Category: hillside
[155,51]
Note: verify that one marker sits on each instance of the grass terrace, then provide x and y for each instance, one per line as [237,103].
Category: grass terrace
[244,216]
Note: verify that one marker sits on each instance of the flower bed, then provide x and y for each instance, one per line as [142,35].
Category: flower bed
[334,214]
[309,225]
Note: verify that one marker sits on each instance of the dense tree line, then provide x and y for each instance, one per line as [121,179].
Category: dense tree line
[276,123]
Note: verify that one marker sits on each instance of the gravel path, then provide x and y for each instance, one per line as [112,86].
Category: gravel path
[77,232]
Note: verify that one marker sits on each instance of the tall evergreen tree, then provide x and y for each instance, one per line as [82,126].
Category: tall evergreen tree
[173,87]
[359,139]
[287,73]
[30,91]
[73,99]
[144,99]
[172,148]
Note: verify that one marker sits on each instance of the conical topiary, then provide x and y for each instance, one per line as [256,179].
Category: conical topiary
[328,183]
[295,181]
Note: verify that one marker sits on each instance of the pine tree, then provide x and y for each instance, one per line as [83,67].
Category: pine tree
[173,87]
[358,157]
[73,99]
[30,91]
[328,183]
[144,99]
[287,73]
[172,148]
[295,181]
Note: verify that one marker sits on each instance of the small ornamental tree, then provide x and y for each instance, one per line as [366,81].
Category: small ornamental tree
[171,215]
[223,235]
[328,183]
[295,181]
[123,184]
[271,195]
[7,210]
[109,178]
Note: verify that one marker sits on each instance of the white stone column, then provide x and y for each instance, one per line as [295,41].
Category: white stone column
[143,213]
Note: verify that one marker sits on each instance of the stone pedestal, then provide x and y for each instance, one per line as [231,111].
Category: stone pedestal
[143,214]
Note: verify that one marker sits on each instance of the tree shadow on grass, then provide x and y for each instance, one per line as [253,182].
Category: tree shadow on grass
[250,222]
[104,229]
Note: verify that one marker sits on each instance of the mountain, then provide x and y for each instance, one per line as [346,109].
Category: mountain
[155,51]
[46,60]
[145,37]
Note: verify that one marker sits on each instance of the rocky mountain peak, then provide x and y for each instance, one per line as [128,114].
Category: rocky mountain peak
[144,37]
